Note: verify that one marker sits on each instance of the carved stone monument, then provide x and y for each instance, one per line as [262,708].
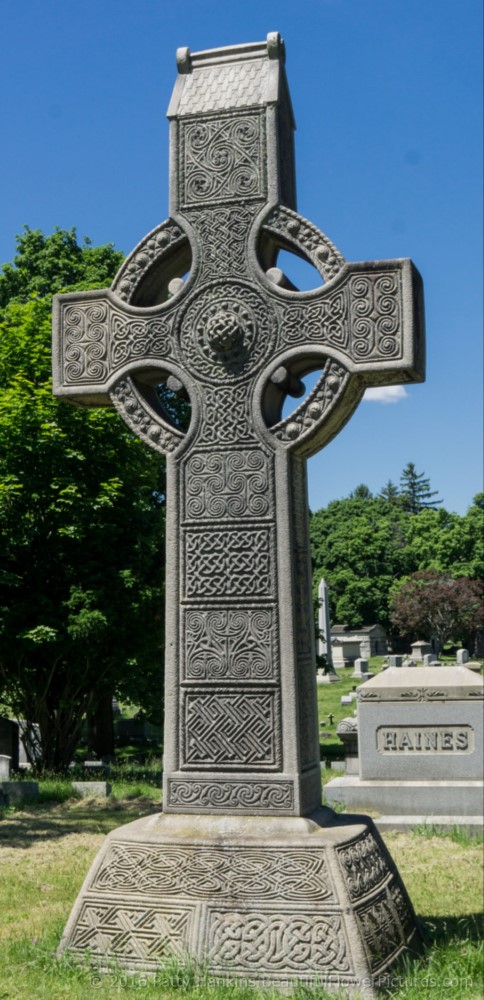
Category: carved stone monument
[243,868]
[324,639]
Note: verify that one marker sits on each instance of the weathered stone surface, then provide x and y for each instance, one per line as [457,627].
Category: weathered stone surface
[273,900]
[420,743]
[92,789]
[5,762]
[241,729]
[16,792]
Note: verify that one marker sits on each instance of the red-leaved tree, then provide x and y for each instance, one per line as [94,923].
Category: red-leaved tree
[429,604]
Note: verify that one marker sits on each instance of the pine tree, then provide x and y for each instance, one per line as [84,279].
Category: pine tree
[390,492]
[415,492]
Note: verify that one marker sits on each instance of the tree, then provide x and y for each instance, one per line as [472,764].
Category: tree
[430,604]
[359,546]
[44,265]
[390,492]
[415,492]
[81,529]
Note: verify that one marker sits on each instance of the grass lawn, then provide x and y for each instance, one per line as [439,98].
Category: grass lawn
[45,852]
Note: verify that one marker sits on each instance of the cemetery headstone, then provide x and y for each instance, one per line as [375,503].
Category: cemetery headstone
[420,648]
[329,676]
[361,671]
[244,864]
[462,656]
[420,745]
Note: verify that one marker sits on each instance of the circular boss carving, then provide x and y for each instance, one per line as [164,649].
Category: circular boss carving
[226,332]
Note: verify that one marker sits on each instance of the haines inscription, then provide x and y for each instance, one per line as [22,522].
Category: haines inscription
[425,739]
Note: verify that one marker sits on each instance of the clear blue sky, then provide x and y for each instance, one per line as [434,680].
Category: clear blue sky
[387,98]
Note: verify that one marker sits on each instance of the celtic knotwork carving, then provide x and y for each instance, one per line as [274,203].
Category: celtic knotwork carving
[223,232]
[301,234]
[86,343]
[133,339]
[324,322]
[228,484]
[235,562]
[271,942]
[226,331]
[228,417]
[132,407]
[151,249]
[132,931]
[364,866]
[255,796]
[222,159]
[231,729]
[381,930]
[375,315]
[291,874]
[230,644]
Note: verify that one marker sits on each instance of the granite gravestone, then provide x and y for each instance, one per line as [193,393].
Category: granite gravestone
[243,869]
[420,737]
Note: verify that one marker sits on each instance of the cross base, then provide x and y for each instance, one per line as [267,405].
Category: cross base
[270,901]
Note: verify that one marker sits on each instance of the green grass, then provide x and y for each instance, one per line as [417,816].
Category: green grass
[46,851]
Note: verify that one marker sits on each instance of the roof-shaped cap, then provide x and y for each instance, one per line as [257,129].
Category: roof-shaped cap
[233,77]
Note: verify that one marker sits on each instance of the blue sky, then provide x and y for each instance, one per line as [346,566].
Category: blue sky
[387,99]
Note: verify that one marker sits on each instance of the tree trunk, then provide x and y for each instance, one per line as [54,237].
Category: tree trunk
[101,727]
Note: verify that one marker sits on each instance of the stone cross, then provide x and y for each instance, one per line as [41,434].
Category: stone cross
[269,886]
[235,338]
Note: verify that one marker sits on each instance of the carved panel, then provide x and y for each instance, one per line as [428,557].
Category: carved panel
[99,339]
[139,932]
[228,484]
[222,159]
[226,332]
[230,644]
[297,875]
[381,930]
[231,729]
[233,562]
[375,315]
[363,865]
[254,794]
[227,415]
[223,233]
[258,941]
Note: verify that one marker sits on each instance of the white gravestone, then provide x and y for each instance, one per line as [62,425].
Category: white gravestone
[420,744]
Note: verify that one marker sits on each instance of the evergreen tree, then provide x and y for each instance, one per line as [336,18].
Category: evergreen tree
[415,492]
[390,492]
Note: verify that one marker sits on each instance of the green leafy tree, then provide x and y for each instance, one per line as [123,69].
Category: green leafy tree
[431,604]
[415,492]
[81,527]
[44,265]
[359,546]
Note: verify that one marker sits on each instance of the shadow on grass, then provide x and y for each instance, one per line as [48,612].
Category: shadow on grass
[442,930]
[28,827]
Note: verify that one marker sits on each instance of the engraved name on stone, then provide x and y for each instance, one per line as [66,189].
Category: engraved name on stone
[425,739]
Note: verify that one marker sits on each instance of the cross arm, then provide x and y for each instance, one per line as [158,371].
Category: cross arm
[365,327]
[98,338]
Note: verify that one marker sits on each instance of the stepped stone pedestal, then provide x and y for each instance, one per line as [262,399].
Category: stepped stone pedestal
[243,870]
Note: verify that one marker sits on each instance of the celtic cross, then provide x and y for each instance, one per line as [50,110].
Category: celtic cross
[235,338]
